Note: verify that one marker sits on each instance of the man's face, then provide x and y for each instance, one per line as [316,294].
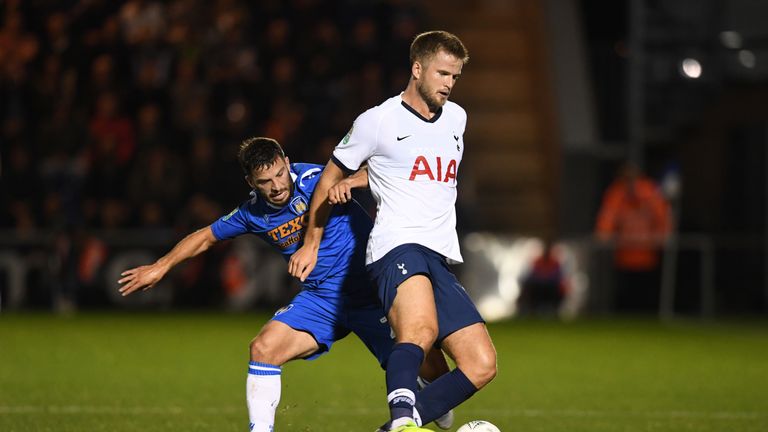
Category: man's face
[274,182]
[436,78]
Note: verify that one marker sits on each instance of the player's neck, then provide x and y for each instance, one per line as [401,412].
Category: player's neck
[414,100]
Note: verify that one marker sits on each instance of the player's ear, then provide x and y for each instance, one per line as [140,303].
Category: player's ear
[287,161]
[416,69]
[248,180]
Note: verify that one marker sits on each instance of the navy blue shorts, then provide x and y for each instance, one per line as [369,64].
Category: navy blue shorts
[455,309]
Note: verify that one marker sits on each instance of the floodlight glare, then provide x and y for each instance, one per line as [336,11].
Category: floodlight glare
[690,68]
[747,59]
[730,39]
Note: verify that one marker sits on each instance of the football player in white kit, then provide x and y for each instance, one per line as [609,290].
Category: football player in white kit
[413,145]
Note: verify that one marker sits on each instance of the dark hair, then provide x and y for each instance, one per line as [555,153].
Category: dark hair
[426,45]
[257,153]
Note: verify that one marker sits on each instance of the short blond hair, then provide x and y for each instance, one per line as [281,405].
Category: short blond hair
[426,45]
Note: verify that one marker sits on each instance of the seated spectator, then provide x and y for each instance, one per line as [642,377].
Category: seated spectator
[543,286]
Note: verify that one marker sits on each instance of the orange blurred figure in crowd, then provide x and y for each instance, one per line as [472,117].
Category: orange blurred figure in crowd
[636,217]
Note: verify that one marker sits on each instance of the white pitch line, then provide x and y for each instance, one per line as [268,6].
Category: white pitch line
[97,409]
[220,410]
[624,414]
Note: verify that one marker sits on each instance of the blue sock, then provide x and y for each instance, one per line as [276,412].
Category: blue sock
[402,369]
[444,394]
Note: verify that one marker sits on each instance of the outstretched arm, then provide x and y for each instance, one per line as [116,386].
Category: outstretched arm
[341,192]
[303,261]
[145,277]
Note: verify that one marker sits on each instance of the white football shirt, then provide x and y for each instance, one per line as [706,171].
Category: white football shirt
[412,168]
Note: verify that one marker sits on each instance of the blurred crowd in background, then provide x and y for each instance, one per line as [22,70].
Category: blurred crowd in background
[122,114]
[120,122]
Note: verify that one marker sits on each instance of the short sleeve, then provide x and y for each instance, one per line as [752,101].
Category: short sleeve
[233,224]
[359,143]
[307,178]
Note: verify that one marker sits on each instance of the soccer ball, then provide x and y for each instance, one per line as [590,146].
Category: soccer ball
[478,426]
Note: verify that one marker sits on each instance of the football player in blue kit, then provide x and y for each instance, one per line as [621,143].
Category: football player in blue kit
[337,297]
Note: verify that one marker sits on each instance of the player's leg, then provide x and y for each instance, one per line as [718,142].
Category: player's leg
[473,351]
[276,344]
[462,335]
[405,291]
[374,331]
[475,357]
[304,329]
[414,319]
[434,366]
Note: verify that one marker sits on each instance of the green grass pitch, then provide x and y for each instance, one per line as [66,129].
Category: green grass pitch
[186,372]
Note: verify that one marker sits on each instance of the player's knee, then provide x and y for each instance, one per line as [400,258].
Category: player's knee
[262,352]
[486,369]
[482,369]
[422,335]
[429,335]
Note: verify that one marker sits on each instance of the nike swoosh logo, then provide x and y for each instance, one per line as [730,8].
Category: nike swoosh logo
[402,138]
[455,137]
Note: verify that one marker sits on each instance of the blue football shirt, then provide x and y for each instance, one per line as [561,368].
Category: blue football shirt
[340,269]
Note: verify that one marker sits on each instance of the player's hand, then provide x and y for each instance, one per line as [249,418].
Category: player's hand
[302,262]
[140,278]
[341,192]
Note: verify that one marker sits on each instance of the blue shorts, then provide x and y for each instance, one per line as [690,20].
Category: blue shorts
[455,309]
[328,320]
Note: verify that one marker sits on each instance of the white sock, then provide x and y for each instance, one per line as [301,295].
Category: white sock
[402,395]
[396,423]
[417,417]
[422,382]
[262,391]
